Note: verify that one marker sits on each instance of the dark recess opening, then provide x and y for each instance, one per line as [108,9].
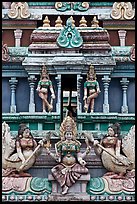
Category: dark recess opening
[68,83]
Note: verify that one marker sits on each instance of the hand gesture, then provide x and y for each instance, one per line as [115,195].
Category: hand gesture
[85,97]
[53,96]
[96,142]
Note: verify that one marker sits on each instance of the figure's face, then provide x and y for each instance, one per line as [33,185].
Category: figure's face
[68,135]
[111,132]
[44,76]
[26,133]
[91,76]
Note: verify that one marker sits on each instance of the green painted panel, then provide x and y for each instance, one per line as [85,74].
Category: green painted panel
[88,126]
[126,127]
[48,126]
[33,126]
[103,126]
[14,126]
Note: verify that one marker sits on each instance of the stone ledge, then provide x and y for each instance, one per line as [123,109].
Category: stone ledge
[69,197]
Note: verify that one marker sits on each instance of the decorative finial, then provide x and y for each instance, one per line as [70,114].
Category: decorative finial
[73,21]
[46,22]
[83,22]
[94,22]
[58,22]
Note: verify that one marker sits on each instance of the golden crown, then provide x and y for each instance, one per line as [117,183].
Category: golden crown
[44,72]
[68,124]
[91,71]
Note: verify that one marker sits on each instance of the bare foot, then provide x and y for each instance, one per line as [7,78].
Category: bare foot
[50,108]
[65,190]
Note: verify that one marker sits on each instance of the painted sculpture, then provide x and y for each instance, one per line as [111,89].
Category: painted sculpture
[44,85]
[71,163]
[18,154]
[91,90]
[117,154]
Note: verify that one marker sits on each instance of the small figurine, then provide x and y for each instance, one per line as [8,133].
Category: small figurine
[117,155]
[18,154]
[91,90]
[43,87]
[71,163]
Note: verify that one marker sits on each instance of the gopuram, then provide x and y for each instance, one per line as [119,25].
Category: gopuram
[68,101]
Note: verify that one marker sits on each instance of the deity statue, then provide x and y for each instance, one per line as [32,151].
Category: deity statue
[117,154]
[71,163]
[44,85]
[91,90]
[18,154]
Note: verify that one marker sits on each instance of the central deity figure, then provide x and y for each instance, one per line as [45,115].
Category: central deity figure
[70,160]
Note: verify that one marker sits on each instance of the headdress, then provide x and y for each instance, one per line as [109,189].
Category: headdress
[44,71]
[116,128]
[91,71]
[68,124]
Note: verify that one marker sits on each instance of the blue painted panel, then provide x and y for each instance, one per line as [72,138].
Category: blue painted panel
[6,95]
[22,95]
[131,96]
[115,95]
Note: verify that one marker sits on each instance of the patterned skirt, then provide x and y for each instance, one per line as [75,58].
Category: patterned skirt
[67,175]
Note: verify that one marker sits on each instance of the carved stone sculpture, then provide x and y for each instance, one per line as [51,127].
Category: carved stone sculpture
[19,10]
[71,163]
[18,154]
[44,85]
[122,11]
[117,155]
[5,53]
[91,90]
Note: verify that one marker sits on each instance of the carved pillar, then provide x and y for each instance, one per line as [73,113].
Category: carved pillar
[58,104]
[106,81]
[18,35]
[124,82]
[32,81]
[79,105]
[122,37]
[13,83]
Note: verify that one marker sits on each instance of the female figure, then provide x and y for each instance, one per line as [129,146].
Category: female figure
[119,163]
[91,90]
[24,147]
[43,85]
[71,164]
